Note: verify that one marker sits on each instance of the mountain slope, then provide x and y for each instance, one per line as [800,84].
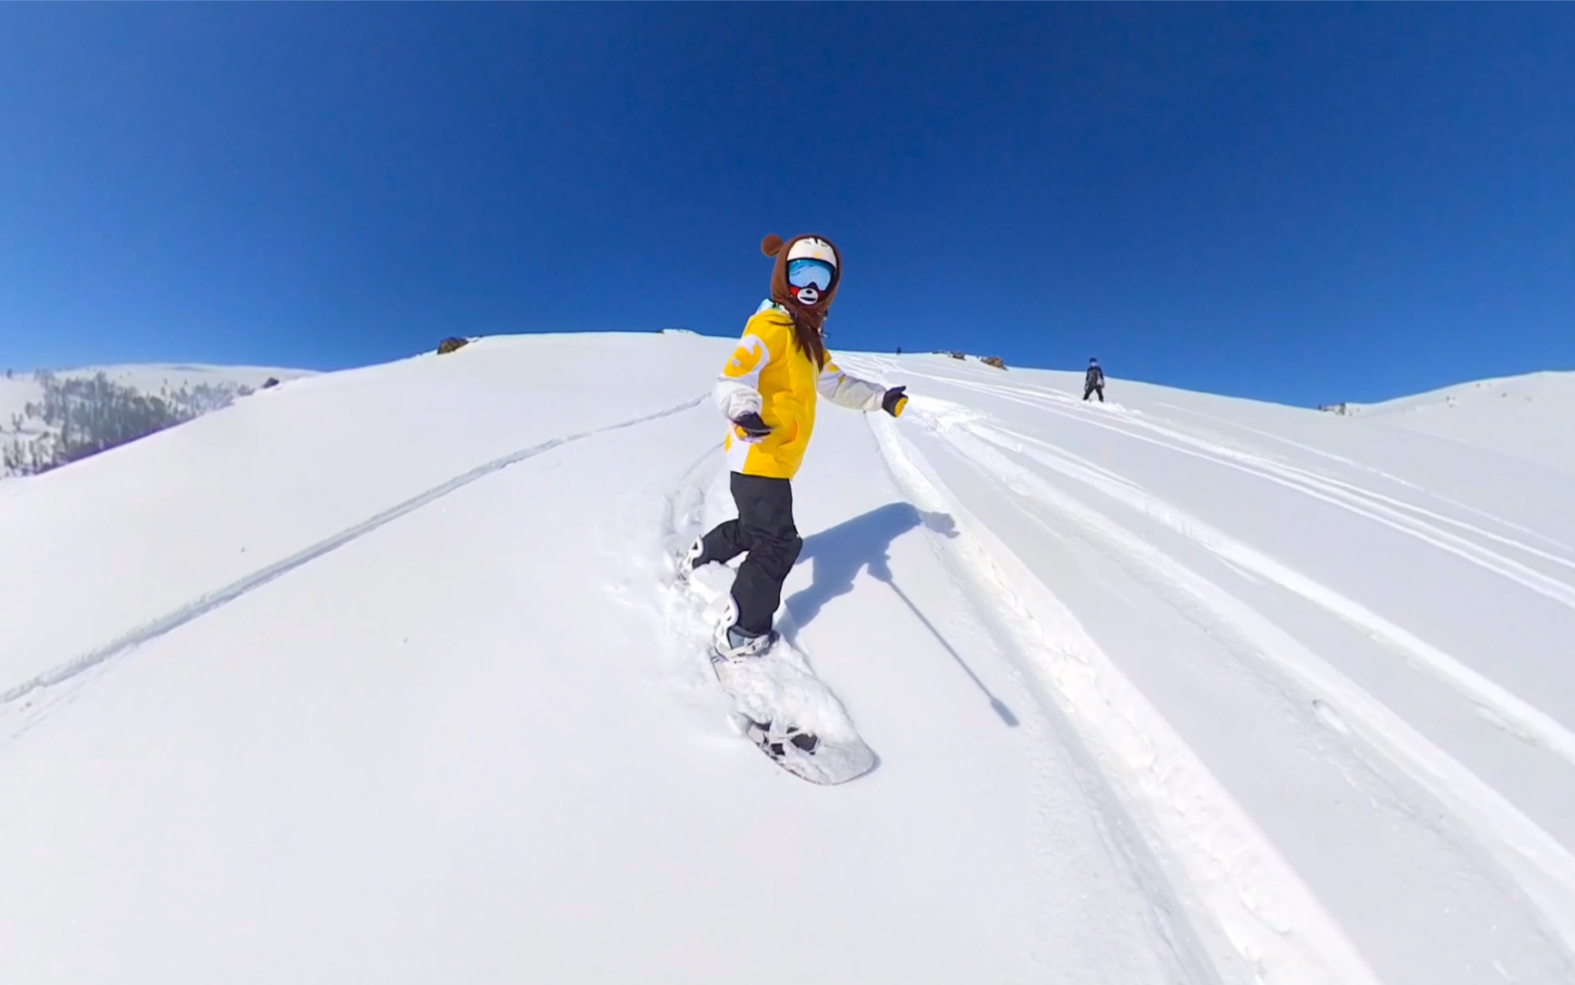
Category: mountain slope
[19,389]
[29,431]
[382,678]
[1530,417]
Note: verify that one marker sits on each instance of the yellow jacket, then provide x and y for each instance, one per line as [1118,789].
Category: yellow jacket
[768,375]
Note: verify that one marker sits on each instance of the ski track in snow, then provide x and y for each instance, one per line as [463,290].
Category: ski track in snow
[1523,860]
[1544,869]
[1509,711]
[1112,417]
[1362,466]
[99,656]
[1272,921]
[1367,503]
[1499,705]
[1374,506]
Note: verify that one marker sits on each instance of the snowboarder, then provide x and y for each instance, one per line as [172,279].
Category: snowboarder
[767,391]
[1094,380]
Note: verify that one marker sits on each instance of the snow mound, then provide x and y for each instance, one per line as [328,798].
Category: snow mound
[385,678]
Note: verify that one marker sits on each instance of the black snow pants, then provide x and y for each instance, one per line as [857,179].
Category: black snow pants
[765,530]
[1090,388]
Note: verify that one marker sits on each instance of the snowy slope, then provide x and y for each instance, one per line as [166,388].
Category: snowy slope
[1529,417]
[383,679]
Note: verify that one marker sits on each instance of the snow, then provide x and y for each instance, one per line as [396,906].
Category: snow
[385,678]
[1530,417]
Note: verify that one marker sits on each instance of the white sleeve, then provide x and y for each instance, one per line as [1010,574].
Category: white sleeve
[848,391]
[737,389]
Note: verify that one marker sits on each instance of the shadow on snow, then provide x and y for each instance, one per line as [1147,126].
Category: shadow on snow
[839,553]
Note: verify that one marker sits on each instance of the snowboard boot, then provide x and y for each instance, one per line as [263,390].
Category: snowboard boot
[732,643]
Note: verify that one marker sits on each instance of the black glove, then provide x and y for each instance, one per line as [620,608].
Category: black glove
[752,426]
[894,401]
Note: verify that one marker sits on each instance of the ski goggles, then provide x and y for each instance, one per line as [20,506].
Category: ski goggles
[811,273]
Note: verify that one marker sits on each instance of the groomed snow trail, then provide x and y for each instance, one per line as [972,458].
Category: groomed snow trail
[1177,689]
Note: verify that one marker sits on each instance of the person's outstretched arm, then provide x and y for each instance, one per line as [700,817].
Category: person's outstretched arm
[849,391]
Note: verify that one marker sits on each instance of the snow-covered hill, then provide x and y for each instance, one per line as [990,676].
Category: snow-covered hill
[186,389]
[382,679]
[1530,417]
[152,378]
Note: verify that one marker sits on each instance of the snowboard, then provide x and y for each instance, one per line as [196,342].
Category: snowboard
[792,716]
[775,699]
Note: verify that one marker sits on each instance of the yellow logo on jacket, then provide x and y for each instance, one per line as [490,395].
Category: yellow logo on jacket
[744,360]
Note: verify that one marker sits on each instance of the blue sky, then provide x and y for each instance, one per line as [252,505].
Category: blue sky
[1295,202]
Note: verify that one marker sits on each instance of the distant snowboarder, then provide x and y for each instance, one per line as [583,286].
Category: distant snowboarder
[767,391]
[1094,380]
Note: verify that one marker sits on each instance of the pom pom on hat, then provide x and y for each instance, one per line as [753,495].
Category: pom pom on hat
[771,245]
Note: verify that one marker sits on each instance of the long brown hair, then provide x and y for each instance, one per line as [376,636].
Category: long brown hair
[806,330]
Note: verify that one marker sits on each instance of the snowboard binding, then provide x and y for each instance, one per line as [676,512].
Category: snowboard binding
[775,743]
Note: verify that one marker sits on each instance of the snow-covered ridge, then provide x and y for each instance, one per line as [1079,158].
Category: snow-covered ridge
[382,678]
